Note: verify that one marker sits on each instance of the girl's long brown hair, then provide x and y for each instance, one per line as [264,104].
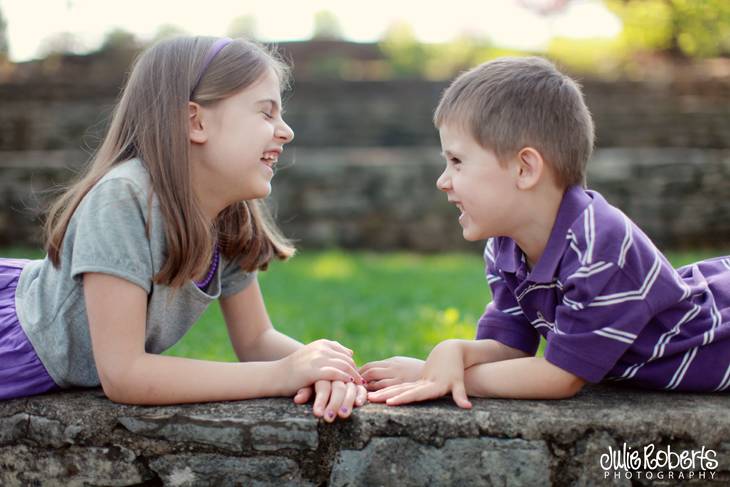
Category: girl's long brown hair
[150,122]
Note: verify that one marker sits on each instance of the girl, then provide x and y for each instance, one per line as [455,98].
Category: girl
[168,218]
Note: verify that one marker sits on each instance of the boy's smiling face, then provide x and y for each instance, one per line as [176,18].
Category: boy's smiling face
[484,191]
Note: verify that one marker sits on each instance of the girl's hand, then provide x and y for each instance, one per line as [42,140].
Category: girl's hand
[390,372]
[443,372]
[319,360]
[333,398]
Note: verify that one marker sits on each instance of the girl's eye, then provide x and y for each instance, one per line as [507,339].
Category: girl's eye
[268,115]
[455,161]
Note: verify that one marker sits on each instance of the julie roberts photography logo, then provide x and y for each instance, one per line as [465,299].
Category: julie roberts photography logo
[659,463]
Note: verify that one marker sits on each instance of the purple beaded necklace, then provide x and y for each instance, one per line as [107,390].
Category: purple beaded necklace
[211,272]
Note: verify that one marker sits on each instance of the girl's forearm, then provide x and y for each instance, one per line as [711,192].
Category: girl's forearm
[158,379]
[521,378]
[270,345]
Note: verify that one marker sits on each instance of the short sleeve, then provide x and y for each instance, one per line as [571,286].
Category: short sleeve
[234,279]
[503,319]
[602,313]
[107,233]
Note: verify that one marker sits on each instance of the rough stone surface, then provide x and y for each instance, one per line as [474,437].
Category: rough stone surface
[81,438]
[13,428]
[482,461]
[112,465]
[222,471]
[233,433]
[293,434]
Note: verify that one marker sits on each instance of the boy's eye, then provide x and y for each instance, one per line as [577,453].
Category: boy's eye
[455,161]
[267,115]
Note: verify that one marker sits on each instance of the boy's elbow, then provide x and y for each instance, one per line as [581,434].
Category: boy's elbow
[572,386]
[564,384]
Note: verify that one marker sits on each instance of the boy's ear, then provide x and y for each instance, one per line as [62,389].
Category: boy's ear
[196,132]
[531,167]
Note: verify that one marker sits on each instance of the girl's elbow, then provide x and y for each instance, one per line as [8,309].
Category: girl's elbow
[127,395]
[114,391]
[119,388]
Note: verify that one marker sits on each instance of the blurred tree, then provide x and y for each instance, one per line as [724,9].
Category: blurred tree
[243,26]
[406,54]
[118,50]
[604,57]
[119,40]
[407,57]
[3,37]
[544,7]
[695,28]
[166,31]
[448,59]
[326,26]
[60,43]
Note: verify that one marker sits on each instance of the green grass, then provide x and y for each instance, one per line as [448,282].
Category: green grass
[378,304]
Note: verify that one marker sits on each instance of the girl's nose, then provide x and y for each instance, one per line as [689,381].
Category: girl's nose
[284,132]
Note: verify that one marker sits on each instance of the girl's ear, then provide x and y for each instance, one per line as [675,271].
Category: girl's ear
[197,133]
[531,168]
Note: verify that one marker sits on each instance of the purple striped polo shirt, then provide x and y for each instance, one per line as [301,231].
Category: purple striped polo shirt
[609,304]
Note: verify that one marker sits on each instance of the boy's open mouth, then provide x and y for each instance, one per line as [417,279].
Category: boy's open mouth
[459,206]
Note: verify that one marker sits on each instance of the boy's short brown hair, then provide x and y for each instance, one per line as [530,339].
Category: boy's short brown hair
[511,103]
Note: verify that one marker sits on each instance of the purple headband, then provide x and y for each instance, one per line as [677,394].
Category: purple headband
[212,53]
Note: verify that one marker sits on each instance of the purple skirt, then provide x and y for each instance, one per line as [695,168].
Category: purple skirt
[21,371]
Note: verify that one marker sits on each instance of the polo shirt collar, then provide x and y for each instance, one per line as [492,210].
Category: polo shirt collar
[508,255]
[575,201]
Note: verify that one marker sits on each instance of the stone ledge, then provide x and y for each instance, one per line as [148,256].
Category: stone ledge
[81,438]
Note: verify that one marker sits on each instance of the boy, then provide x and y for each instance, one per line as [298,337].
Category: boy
[561,262]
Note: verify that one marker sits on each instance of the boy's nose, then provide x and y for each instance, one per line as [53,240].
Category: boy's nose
[443,182]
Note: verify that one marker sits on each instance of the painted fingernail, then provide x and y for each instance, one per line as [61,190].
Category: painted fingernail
[343,410]
[352,379]
[330,414]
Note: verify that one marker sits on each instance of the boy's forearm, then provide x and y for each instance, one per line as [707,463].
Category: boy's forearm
[521,378]
[487,351]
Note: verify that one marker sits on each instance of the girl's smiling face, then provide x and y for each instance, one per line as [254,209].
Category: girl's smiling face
[237,143]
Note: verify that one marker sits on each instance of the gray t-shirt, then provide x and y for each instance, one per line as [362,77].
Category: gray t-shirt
[106,234]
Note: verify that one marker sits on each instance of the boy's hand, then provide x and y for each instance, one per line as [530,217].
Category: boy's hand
[390,372]
[333,399]
[443,372]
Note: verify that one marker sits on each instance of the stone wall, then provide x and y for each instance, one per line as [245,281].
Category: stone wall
[689,113]
[80,438]
[386,198]
[361,171]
